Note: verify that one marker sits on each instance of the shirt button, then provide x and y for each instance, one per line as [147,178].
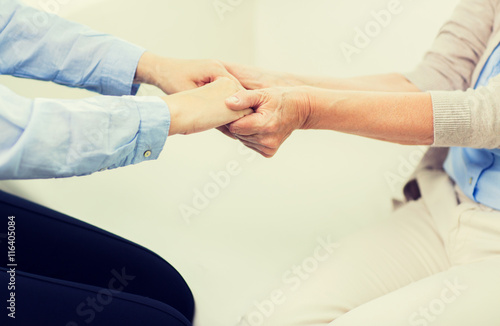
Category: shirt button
[147,153]
[470,181]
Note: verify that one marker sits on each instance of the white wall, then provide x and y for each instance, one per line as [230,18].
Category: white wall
[306,36]
[269,216]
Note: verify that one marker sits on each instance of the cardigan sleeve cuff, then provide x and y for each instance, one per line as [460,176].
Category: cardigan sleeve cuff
[452,118]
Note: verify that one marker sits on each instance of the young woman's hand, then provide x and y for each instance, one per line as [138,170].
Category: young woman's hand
[203,108]
[177,75]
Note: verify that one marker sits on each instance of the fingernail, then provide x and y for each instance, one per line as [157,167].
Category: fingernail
[234,99]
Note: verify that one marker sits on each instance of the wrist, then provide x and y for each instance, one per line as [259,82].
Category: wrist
[146,69]
[175,114]
[304,104]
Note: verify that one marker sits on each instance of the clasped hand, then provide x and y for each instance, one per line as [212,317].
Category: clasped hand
[205,94]
[277,113]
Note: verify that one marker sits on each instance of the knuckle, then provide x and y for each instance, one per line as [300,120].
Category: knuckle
[272,127]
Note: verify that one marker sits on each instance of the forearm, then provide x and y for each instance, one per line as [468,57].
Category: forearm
[64,52]
[381,83]
[405,118]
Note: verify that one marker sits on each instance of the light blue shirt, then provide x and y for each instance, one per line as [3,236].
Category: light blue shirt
[477,171]
[46,138]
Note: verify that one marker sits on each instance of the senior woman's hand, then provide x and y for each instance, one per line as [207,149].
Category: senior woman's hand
[399,117]
[278,112]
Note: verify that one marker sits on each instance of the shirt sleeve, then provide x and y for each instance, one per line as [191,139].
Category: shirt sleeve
[45,138]
[39,45]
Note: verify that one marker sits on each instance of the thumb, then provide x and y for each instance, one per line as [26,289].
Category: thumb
[244,99]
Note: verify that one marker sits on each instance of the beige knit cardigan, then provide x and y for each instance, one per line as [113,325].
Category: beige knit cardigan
[462,116]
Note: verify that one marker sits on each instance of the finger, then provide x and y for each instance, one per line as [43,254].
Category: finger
[254,139]
[263,142]
[248,125]
[232,68]
[241,73]
[230,76]
[245,99]
[221,71]
[266,152]
[226,131]
[215,75]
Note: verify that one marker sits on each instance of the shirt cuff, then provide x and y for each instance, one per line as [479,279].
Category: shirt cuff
[120,65]
[153,130]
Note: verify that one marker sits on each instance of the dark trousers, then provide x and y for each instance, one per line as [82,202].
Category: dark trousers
[64,272]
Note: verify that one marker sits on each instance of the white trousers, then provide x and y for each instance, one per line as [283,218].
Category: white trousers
[435,261]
